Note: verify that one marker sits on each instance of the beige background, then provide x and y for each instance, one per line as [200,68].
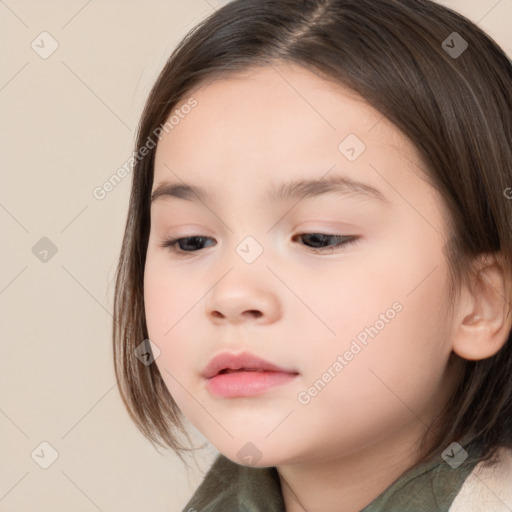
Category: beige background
[68,123]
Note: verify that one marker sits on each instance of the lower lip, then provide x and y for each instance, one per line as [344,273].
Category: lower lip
[243,384]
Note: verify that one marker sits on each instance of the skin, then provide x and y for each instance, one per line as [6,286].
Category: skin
[297,308]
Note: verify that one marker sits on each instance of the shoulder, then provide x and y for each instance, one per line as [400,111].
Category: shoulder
[487,488]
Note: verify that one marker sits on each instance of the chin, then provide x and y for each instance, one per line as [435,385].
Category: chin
[254,454]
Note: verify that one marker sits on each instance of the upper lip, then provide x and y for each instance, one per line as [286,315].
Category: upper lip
[245,360]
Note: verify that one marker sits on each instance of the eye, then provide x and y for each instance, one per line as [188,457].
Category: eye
[180,244]
[318,241]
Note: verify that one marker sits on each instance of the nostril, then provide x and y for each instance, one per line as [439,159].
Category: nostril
[254,312]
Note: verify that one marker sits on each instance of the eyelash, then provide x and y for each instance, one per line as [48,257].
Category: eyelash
[343,241]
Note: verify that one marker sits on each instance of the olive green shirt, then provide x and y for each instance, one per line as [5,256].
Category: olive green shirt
[230,487]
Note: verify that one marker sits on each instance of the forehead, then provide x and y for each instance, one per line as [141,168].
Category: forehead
[251,127]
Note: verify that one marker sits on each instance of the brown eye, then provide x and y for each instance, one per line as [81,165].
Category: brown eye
[185,244]
[322,242]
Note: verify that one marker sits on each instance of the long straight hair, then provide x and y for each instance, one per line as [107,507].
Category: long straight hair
[438,78]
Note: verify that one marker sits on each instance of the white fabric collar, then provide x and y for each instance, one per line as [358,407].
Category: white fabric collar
[487,489]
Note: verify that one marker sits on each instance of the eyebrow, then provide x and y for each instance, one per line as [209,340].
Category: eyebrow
[299,189]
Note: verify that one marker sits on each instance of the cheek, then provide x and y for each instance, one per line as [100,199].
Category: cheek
[395,376]
[169,301]
[403,366]
[389,320]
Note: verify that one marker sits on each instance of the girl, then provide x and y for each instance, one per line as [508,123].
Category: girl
[317,264]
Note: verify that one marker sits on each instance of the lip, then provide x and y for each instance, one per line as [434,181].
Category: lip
[244,360]
[245,375]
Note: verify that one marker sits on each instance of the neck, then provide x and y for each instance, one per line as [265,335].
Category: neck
[350,482]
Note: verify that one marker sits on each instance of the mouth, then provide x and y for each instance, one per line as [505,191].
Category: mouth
[227,362]
[244,375]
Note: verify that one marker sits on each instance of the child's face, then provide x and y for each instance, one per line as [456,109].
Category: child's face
[299,309]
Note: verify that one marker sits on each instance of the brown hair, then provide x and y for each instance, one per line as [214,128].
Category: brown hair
[401,57]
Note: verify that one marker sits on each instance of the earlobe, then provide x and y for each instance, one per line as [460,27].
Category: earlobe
[484,319]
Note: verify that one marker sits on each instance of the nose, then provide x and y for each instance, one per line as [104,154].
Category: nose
[239,297]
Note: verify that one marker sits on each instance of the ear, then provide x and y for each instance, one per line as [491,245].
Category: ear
[483,321]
